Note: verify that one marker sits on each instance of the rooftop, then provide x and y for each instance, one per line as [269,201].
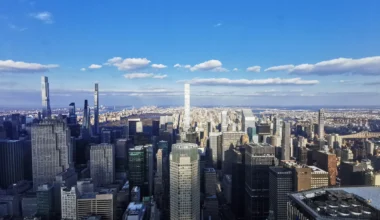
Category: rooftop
[338,203]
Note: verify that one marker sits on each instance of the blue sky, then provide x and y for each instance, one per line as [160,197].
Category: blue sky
[232,52]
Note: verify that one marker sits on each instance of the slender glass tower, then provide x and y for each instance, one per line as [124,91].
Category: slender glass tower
[96,109]
[46,111]
[321,123]
[184,182]
[186,121]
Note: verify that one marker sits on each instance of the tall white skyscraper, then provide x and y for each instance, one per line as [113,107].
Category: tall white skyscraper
[321,123]
[285,145]
[69,196]
[186,120]
[96,109]
[184,182]
[51,151]
[46,111]
[224,121]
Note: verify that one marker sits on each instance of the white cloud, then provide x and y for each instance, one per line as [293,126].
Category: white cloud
[207,66]
[83,69]
[144,75]
[128,63]
[255,69]
[159,66]
[279,68]
[362,66]
[220,69]
[16,28]
[247,82]
[10,66]
[45,17]
[177,65]
[160,76]
[218,25]
[187,66]
[235,69]
[95,66]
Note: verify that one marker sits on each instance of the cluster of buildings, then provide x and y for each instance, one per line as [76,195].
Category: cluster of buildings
[200,164]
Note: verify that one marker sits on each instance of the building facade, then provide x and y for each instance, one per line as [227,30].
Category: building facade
[102,164]
[11,162]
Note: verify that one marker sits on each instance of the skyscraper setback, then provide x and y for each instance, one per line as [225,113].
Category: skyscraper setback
[186,121]
[96,109]
[46,111]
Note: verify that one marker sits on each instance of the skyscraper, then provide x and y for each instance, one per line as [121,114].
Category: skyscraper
[11,162]
[46,111]
[51,150]
[215,144]
[285,145]
[248,120]
[186,121]
[72,114]
[280,185]
[136,165]
[69,196]
[96,109]
[321,123]
[184,182]
[258,159]
[102,164]
[224,121]
[85,114]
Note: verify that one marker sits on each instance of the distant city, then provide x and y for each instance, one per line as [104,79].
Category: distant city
[184,162]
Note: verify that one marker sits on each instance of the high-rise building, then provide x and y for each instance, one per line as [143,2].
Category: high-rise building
[72,119]
[184,182]
[187,119]
[211,208]
[85,186]
[96,109]
[224,124]
[106,136]
[258,159]
[280,185]
[67,179]
[285,141]
[230,140]
[158,183]
[136,165]
[248,120]
[102,164]
[11,162]
[45,201]
[321,123]
[210,181]
[101,203]
[149,174]
[215,143]
[121,157]
[327,161]
[69,196]
[51,150]
[46,111]
[276,126]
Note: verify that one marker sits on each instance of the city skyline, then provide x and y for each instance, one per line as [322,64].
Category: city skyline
[279,55]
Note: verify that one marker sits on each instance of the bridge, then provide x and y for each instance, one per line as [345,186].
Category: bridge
[361,135]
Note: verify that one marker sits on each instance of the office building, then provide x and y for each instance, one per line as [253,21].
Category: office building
[211,208]
[9,205]
[67,179]
[184,182]
[327,161]
[139,127]
[258,159]
[11,162]
[85,186]
[210,181]
[51,150]
[248,120]
[335,203]
[354,173]
[187,117]
[158,179]
[230,140]
[106,136]
[102,203]
[136,166]
[321,123]
[319,177]
[302,155]
[121,157]
[224,124]
[227,188]
[149,172]
[237,185]
[102,164]
[96,109]
[215,143]
[285,141]
[72,119]
[135,211]
[69,196]
[46,111]
[29,204]
[280,184]
[45,201]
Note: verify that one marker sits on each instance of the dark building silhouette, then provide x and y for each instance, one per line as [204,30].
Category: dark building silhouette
[237,186]
[280,184]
